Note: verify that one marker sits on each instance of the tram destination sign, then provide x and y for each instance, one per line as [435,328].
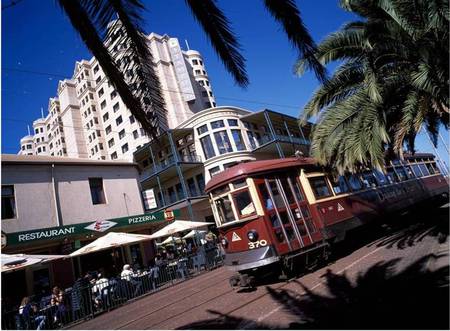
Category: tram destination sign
[25,237]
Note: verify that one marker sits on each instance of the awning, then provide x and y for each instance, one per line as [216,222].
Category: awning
[111,240]
[178,226]
[194,233]
[171,240]
[13,262]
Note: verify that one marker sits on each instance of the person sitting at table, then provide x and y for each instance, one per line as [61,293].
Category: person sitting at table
[57,300]
[100,289]
[128,275]
[29,315]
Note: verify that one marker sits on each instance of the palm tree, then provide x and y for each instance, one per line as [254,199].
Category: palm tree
[98,23]
[392,80]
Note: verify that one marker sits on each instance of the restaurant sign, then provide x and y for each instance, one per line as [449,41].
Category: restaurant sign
[24,237]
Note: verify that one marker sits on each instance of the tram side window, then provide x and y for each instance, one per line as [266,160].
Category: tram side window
[409,171]
[436,168]
[267,201]
[416,170]
[391,175]
[369,179]
[430,168]
[225,210]
[424,169]
[276,194]
[244,203]
[340,185]
[355,183]
[298,193]
[381,178]
[319,187]
[401,173]
[287,190]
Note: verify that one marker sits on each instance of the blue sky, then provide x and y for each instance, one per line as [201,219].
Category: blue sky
[36,36]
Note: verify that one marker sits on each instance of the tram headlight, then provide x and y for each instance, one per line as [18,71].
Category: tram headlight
[224,242]
[252,235]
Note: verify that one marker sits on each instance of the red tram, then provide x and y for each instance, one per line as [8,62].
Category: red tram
[287,211]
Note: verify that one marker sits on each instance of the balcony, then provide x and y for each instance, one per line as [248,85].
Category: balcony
[167,167]
[180,202]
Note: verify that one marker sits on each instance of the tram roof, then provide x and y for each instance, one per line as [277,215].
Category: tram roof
[243,170]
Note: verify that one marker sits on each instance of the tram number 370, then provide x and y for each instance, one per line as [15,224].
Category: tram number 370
[256,244]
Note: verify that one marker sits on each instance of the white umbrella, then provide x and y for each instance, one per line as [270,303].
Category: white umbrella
[12,262]
[193,233]
[111,240]
[171,240]
[177,226]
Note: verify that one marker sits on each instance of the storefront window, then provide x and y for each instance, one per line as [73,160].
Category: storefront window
[223,142]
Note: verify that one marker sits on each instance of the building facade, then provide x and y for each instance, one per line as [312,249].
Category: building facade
[175,168]
[88,119]
[55,205]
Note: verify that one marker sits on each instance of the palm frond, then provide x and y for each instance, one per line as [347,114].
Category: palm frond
[288,15]
[217,28]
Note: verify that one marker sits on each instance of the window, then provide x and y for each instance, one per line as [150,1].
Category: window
[113,94]
[180,192]
[194,62]
[111,142]
[135,134]
[36,131]
[191,187]
[237,137]
[207,147]
[340,186]
[232,122]
[202,129]
[132,120]
[97,194]
[381,178]
[197,72]
[122,133]
[200,183]
[119,120]
[96,120]
[8,202]
[214,171]
[99,78]
[319,187]
[101,92]
[200,62]
[108,129]
[100,145]
[116,107]
[224,209]
[217,124]
[103,104]
[114,156]
[244,203]
[39,150]
[91,96]
[96,69]
[369,179]
[223,142]
[125,148]
[355,183]
[171,193]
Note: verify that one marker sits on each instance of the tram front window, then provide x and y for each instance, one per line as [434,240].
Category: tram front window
[319,187]
[244,204]
[225,210]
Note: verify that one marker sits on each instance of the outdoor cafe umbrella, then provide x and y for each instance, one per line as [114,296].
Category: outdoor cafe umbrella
[171,240]
[194,233]
[177,226]
[13,262]
[111,240]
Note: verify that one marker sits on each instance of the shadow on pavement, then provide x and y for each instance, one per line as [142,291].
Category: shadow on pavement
[415,226]
[379,298]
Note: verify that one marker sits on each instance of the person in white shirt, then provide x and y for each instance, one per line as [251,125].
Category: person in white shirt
[127,272]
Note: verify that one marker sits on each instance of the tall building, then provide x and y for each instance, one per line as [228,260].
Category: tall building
[88,119]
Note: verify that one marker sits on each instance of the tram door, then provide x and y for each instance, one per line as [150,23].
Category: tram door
[287,212]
